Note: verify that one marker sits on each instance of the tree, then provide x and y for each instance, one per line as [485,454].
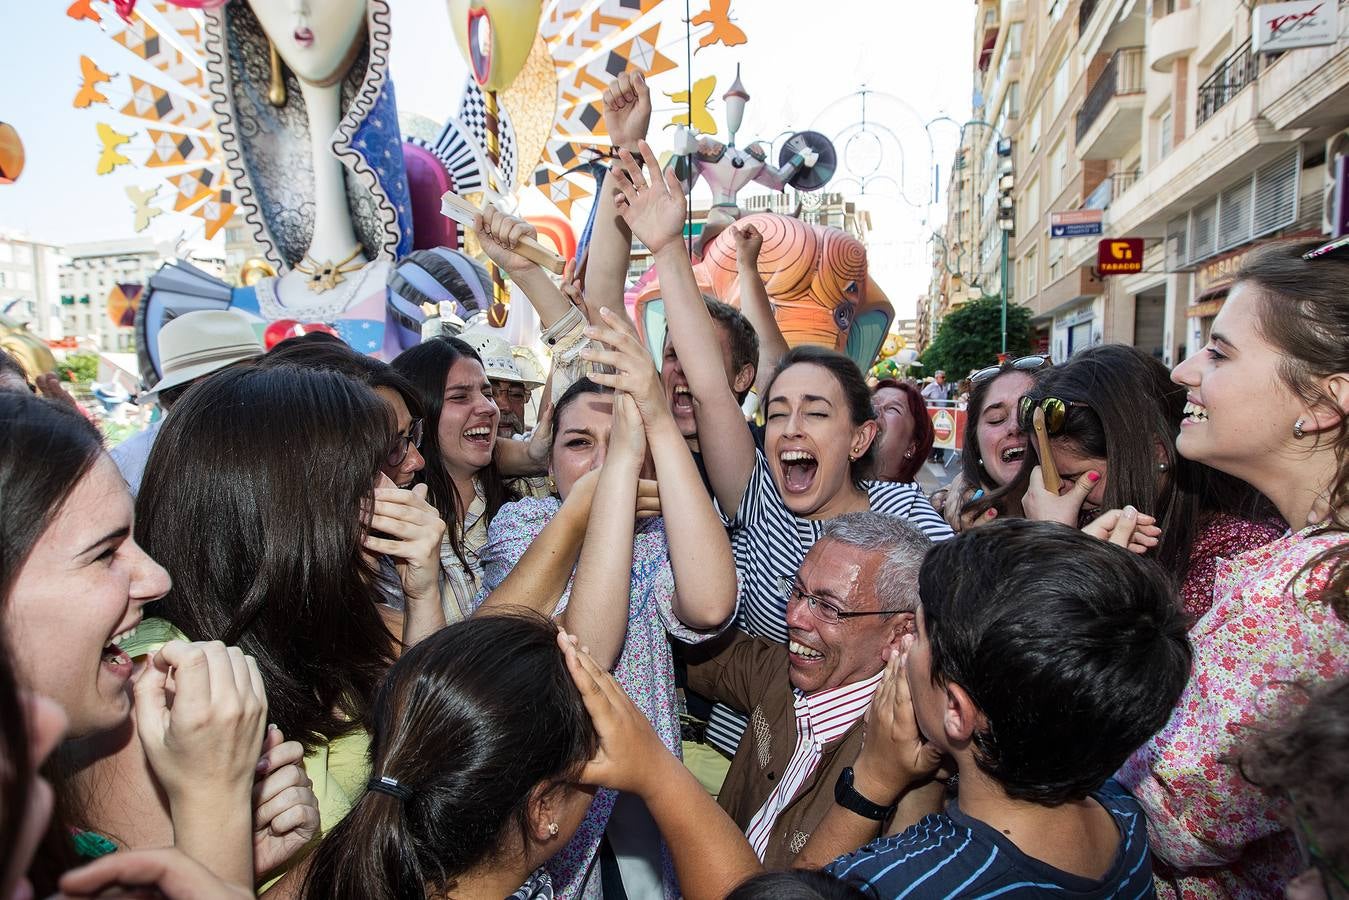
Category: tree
[971,337]
[80,367]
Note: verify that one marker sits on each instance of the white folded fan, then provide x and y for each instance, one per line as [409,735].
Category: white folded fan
[452,206]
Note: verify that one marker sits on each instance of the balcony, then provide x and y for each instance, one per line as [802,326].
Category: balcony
[1111,118]
[1231,76]
[1173,36]
[1108,190]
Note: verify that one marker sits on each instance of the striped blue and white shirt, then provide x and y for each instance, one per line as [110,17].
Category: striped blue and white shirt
[953,855]
[770,543]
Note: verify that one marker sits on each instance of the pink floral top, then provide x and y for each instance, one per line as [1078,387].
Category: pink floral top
[1213,834]
[1223,536]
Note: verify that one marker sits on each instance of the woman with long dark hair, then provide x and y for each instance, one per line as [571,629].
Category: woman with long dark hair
[459,440]
[277,470]
[905,438]
[478,739]
[1265,401]
[1112,415]
[73,582]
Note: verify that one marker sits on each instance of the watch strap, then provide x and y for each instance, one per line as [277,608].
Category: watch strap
[847,796]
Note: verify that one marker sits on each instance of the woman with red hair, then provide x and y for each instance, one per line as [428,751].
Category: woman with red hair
[906,431]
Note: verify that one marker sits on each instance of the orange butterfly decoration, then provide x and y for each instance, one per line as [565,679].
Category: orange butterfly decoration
[718,15]
[91,75]
[83,9]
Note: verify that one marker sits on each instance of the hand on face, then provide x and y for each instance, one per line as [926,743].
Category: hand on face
[629,747]
[411,530]
[654,211]
[285,810]
[203,743]
[1043,505]
[633,373]
[894,756]
[500,234]
[627,109]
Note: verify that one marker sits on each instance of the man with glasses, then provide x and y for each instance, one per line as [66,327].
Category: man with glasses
[510,388]
[848,608]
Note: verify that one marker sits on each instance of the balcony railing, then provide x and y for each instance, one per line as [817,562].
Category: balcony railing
[1110,189]
[1231,76]
[1122,75]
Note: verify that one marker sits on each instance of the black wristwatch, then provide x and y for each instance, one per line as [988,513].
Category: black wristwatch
[846,796]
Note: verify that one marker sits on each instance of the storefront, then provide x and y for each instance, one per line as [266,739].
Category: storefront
[1076,327]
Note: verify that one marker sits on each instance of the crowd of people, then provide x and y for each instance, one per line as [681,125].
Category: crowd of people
[348,628]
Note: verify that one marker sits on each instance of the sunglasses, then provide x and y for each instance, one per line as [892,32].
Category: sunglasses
[1024,364]
[1056,411]
[403,443]
[1326,249]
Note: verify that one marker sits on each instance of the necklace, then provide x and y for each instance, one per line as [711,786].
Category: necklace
[326,275]
[329,309]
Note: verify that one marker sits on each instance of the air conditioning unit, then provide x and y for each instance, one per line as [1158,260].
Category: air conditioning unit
[1335,205]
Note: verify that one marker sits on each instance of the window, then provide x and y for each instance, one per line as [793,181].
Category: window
[1033,136]
[1060,87]
[1014,40]
[1030,208]
[1165,133]
[1012,104]
[1055,259]
[1030,267]
[1058,167]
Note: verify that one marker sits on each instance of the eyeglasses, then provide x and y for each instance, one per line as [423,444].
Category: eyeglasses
[819,607]
[1056,411]
[1024,364]
[510,392]
[1326,249]
[398,451]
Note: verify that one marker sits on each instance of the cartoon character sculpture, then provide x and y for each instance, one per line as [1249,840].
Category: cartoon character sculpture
[816,278]
[307,122]
[806,163]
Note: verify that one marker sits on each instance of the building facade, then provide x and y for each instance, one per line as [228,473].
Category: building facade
[1162,116]
[29,282]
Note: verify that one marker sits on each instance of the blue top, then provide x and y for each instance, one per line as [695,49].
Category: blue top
[952,855]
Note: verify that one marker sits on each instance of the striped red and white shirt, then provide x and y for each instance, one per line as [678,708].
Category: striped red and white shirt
[821,718]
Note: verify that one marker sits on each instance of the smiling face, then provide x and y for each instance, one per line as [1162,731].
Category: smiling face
[81,588]
[45,724]
[582,439]
[810,441]
[1234,377]
[821,655]
[676,386]
[403,473]
[1002,443]
[896,424]
[467,427]
[316,39]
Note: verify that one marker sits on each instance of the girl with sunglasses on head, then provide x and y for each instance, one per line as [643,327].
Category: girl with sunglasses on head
[1112,416]
[1265,401]
[995,445]
[136,769]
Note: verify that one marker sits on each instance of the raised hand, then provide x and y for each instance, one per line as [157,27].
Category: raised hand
[168,874]
[628,744]
[654,211]
[1128,528]
[748,242]
[285,809]
[412,531]
[500,234]
[1044,505]
[627,109]
[634,373]
[894,756]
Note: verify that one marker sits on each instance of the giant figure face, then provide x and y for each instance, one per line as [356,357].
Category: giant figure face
[495,37]
[317,39]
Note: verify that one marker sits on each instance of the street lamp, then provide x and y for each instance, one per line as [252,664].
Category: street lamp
[1006,223]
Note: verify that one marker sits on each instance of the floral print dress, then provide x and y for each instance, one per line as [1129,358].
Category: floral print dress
[1214,834]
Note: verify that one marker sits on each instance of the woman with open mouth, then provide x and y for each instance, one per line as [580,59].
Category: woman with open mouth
[1112,416]
[1267,401]
[73,584]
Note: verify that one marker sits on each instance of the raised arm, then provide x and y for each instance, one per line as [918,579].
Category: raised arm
[711,856]
[597,612]
[627,115]
[655,212]
[700,554]
[756,306]
[499,234]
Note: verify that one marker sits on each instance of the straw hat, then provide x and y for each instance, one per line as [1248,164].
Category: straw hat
[497,359]
[198,343]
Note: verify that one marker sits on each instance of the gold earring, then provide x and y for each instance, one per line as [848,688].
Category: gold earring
[276,92]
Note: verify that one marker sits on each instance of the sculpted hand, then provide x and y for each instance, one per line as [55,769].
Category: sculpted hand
[654,211]
[894,756]
[633,373]
[1128,528]
[412,530]
[1043,505]
[499,235]
[809,158]
[628,745]
[627,109]
[285,810]
[202,743]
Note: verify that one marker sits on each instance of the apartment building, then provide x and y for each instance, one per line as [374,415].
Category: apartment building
[28,281]
[1162,116]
